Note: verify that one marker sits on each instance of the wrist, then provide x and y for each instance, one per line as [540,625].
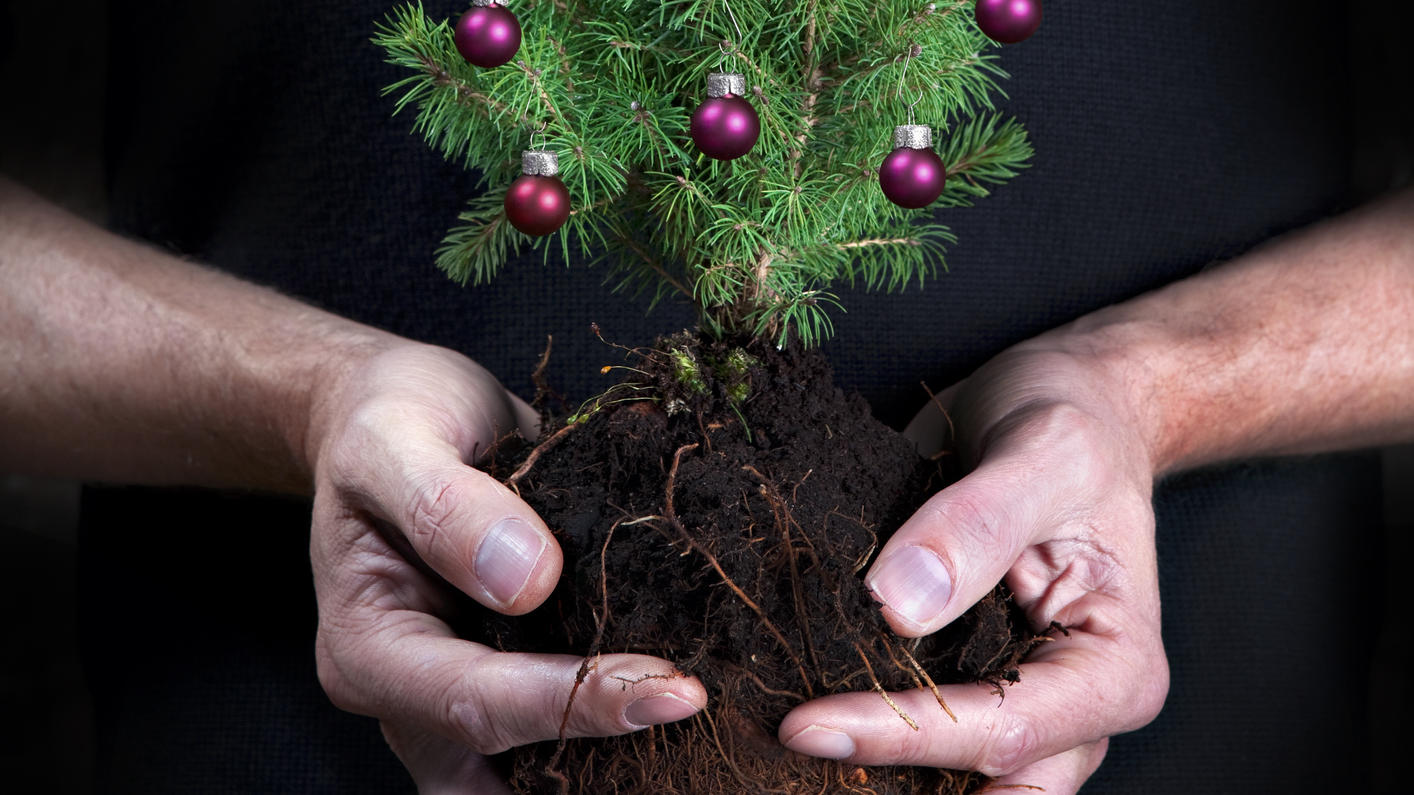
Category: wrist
[1123,361]
[336,364]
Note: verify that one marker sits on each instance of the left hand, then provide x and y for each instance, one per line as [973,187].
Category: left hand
[1058,503]
[401,519]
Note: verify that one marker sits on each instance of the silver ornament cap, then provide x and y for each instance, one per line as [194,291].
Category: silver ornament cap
[719,84]
[913,136]
[484,3]
[539,163]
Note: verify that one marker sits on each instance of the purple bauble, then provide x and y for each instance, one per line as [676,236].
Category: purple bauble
[725,127]
[488,35]
[1008,21]
[537,205]
[913,178]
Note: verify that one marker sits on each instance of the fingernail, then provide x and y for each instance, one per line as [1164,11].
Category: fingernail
[914,583]
[662,708]
[507,557]
[822,742]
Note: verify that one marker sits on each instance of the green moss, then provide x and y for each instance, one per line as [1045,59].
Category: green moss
[687,371]
[734,371]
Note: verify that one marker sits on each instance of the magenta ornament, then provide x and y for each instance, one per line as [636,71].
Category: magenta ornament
[913,175]
[488,34]
[538,203]
[725,126]
[1008,21]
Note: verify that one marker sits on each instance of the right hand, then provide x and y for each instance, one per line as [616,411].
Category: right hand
[1057,501]
[398,511]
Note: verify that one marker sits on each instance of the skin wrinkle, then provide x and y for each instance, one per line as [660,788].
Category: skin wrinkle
[1075,567]
[397,692]
[426,519]
[375,579]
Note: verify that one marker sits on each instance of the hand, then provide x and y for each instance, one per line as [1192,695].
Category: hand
[397,511]
[1057,503]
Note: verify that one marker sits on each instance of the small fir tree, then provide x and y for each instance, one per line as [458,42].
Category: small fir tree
[741,566]
[756,243]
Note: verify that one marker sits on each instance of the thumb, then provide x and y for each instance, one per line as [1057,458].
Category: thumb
[470,529]
[526,419]
[477,534]
[963,540]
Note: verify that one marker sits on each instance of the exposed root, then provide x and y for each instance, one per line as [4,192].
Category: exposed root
[671,487]
[602,619]
[783,520]
[893,658]
[542,386]
[756,680]
[640,679]
[493,450]
[727,580]
[749,602]
[745,783]
[540,449]
[952,431]
[795,492]
[931,684]
[879,688]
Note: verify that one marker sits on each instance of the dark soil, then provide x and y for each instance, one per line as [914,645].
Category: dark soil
[718,509]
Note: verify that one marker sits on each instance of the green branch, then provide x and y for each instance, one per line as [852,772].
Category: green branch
[756,243]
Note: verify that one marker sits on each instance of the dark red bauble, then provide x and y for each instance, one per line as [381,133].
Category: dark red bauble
[725,127]
[537,205]
[913,178]
[488,35]
[1008,21]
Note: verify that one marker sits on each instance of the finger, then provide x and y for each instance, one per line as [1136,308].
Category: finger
[527,419]
[469,528]
[1062,774]
[439,766]
[1071,697]
[1035,479]
[955,548]
[407,669]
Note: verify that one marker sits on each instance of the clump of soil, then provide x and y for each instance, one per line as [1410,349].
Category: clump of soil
[717,508]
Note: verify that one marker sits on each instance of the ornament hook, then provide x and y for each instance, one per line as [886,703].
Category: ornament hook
[730,47]
[733,18]
[533,133]
[727,49]
[913,52]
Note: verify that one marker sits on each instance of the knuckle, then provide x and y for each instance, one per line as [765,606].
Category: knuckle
[331,676]
[354,445]
[1071,429]
[917,747]
[432,513]
[1075,441]
[980,522]
[468,719]
[1151,693]
[1011,744]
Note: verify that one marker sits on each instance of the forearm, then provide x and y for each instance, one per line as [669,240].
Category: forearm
[119,362]
[1303,345]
